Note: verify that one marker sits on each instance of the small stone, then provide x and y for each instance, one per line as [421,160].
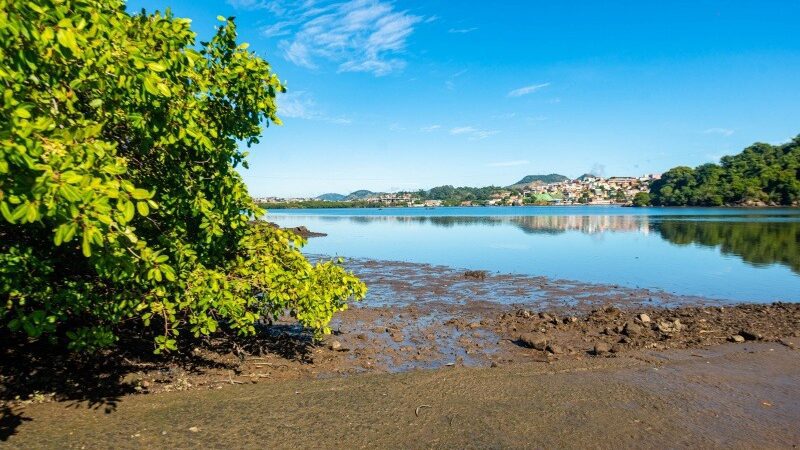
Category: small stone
[736,338]
[788,343]
[546,317]
[601,348]
[194,429]
[750,335]
[555,349]
[644,318]
[494,364]
[616,348]
[534,340]
[632,329]
[335,345]
[145,384]
[474,325]
[361,337]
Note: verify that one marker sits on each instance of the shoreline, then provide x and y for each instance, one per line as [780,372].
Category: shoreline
[422,321]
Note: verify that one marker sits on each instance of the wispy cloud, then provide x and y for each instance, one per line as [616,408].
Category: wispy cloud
[527,90]
[719,131]
[520,162]
[430,128]
[472,132]
[462,30]
[356,35]
[301,105]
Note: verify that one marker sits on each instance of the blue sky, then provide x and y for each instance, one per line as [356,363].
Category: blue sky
[413,94]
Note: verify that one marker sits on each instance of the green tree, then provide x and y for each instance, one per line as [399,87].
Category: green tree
[641,199]
[119,193]
[761,174]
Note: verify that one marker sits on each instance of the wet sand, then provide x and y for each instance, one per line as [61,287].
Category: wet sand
[499,360]
[729,397]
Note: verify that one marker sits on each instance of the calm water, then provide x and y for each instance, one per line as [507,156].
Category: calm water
[736,254]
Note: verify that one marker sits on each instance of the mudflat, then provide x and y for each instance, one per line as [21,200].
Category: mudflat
[438,358]
[731,396]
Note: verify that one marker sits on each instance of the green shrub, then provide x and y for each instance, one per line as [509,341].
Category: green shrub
[119,193]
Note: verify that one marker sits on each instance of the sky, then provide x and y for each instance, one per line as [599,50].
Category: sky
[401,95]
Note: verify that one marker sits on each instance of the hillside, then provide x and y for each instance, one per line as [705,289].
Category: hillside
[544,179]
[760,175]
[331,197]
[360,195]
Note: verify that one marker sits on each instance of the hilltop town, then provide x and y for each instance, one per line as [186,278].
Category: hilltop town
[550,189]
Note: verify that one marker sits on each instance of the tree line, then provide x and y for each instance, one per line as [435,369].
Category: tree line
[761,175]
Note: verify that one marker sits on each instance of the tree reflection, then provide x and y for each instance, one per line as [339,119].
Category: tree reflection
[758,243]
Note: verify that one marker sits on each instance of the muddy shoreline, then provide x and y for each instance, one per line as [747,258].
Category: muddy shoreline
[419,317]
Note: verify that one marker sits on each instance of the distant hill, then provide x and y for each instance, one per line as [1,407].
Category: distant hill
[360,195]
[331,197]
[585,176]
[544,179]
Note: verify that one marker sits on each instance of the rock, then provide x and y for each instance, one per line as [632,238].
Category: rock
[788,343]
[632,329]
[474,325]
[534,340]
[750,335]
[545,316]
[736,338]
[644,318]
[361,337]
[494,364]
[601,348]
[616,348]
[555,349]
[194,429]
[397,337]
[475,274]
[335,345]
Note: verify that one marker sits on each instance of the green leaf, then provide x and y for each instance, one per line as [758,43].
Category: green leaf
[140,194]
[142,208]
[151,85]
[23,113]
[128,212]
[156,67]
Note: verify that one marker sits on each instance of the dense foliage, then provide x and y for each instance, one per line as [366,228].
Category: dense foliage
[762,174]
[641,199]
[119,193]
[450,195]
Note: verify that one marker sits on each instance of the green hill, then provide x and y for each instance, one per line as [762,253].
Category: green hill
[360,195]
[761,175]
[331,197]
[544,179]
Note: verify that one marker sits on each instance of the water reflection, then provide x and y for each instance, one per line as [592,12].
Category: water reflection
[757,239]
[758,243]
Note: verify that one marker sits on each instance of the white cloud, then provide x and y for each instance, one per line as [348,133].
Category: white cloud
[430,128]
[357,35]
[301,105]
[472,132]
[527,90]
[720,131]
[520,162]
[462,30]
